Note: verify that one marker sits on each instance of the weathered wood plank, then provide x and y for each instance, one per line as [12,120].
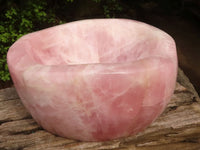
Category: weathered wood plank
[11,110]
[8,94]
[177,128]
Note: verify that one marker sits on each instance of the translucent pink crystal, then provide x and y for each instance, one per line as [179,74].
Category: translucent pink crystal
[94,80]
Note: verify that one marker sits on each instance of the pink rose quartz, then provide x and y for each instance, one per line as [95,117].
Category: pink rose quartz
[94,80]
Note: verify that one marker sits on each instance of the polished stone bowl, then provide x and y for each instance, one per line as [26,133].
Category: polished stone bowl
[94,80]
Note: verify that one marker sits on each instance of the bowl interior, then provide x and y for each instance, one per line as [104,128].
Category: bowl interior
[89,42]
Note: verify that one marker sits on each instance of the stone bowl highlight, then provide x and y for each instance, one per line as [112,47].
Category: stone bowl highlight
[94,80]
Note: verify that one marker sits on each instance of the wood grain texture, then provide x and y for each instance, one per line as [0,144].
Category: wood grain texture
[177,128]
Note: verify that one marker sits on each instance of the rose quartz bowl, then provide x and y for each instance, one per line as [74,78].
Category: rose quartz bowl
[94,80]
